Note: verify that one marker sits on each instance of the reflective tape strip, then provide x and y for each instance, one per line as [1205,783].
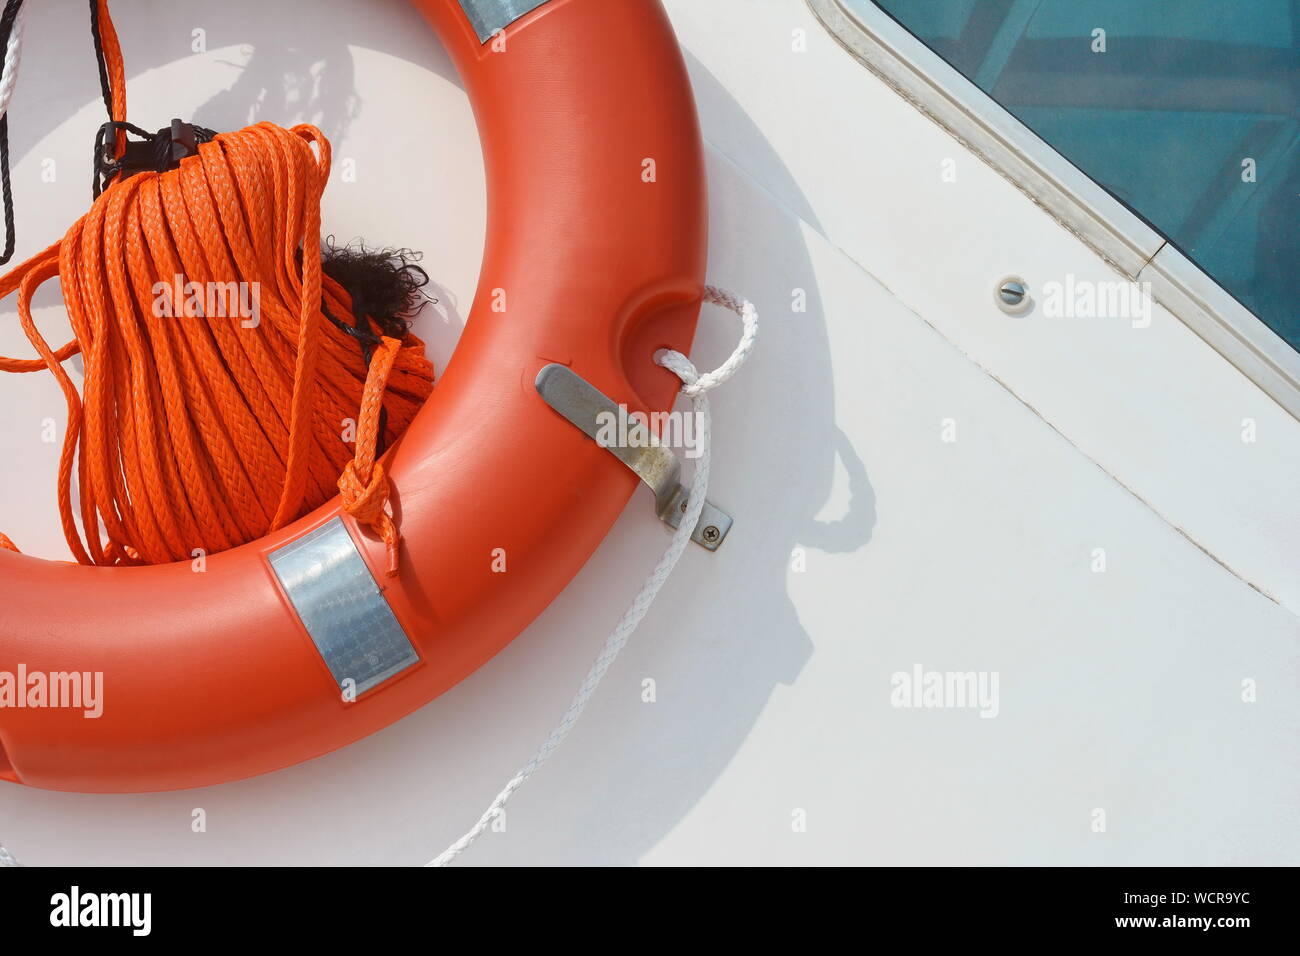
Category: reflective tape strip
[489,16]
[342,608]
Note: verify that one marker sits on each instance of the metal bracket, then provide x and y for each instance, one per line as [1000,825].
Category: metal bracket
[584,406]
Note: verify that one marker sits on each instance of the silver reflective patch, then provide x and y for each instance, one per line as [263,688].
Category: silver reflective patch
[342,608]
[489,16]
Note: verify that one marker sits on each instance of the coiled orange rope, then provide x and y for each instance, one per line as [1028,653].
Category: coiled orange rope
[205,432]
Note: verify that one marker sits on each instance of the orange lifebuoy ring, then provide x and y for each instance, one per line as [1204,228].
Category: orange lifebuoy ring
[286,648]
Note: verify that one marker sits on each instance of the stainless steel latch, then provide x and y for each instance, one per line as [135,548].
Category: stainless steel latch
[584,406]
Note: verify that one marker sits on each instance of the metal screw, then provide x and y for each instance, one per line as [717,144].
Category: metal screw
[1012,292]
[712,534]
[1012,296]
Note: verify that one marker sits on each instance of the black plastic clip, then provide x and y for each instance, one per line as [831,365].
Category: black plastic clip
[157,152]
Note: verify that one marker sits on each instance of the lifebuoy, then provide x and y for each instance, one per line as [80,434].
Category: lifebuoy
[287,648]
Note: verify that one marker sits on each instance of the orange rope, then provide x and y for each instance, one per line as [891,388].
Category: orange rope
[198,431]
[116,69]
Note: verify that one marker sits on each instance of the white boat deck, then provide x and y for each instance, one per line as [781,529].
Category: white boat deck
[866,544]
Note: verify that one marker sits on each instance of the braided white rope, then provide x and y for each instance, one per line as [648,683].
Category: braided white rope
[7,858]
[13,54]
[696,386]
[748,335]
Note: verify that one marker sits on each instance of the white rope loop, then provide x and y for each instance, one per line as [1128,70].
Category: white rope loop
[696,386]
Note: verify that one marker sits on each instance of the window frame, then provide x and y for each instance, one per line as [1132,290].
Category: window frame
[1122,238]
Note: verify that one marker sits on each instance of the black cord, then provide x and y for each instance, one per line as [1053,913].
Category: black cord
[6,187]
[104,89]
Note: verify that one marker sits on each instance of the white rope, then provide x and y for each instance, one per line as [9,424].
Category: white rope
[696,386]
[749,334]
[13,54]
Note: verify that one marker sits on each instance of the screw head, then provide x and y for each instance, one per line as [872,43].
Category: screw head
[1012,292]
[1012,296]
[711,534]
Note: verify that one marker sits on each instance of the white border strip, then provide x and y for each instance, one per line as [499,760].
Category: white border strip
[1075,201]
